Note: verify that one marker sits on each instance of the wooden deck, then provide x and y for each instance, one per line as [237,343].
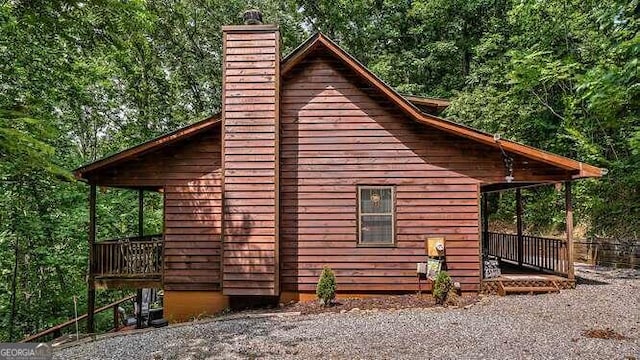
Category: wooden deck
[134,262]
[529,264]
[545,254]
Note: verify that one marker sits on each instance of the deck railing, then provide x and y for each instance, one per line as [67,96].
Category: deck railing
[134,257]
[540,252]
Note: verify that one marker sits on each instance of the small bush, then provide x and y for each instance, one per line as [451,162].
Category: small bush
[442,286]
[326,289]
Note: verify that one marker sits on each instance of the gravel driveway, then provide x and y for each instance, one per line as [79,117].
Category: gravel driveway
[513,327]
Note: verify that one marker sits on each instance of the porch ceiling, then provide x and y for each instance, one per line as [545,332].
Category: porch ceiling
[498,187]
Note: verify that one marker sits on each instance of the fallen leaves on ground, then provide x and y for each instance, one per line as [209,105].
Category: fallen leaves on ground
[603,334]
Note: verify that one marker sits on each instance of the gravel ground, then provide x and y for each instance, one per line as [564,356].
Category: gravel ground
[512,327]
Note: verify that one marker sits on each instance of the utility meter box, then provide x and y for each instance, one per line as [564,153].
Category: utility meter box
[421,268]
[435,246]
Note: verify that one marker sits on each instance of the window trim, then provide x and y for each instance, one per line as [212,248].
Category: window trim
[359,215]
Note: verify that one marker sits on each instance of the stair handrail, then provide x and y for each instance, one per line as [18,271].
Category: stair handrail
[58,328]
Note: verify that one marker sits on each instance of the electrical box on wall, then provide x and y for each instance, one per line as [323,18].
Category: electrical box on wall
[421,268]
[435,246]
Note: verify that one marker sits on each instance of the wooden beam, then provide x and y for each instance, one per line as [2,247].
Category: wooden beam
[519,224]
[116,317]
[569,230]
[91,295]
[485,221]
[250,28]
[140,234]
[128,283]
[500,187]
[428,101]
[484,230]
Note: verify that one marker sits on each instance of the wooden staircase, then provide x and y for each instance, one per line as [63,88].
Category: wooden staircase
[532,283]
[547,287]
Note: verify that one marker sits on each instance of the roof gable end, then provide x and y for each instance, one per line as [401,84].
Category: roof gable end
[319,40]
[147,147]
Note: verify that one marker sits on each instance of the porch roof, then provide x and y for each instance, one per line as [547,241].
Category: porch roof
[84,172]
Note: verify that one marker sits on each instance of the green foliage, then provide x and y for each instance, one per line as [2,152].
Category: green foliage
[544,210]
[563,76]
[326,288]
[23,144]
[441,286]
[423,47]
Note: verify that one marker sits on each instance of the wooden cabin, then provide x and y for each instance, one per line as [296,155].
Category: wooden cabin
[315,161]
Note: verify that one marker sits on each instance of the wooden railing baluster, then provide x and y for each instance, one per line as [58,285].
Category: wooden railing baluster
[131,257]
[544,253]
[544,250]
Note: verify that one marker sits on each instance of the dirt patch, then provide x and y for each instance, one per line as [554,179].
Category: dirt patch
[374,303]
[604,334]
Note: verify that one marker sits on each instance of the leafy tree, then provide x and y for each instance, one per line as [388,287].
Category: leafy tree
[564,78]
[423,47]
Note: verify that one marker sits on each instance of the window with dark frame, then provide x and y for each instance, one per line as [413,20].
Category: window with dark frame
[376,215]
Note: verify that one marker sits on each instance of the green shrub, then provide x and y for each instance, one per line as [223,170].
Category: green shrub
[326,289]
[441,287]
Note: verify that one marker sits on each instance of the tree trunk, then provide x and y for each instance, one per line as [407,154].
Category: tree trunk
[14,286]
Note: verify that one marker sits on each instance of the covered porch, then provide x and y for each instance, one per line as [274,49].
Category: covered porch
[180,248]
[134,262]
[126,262]
[525,263]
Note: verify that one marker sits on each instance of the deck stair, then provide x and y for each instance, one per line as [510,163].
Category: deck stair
[525,284]
[535,289]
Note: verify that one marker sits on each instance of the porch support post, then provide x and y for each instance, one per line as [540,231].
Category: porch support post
[569,230]
[485,219]
[91,286]
[519,224]
[140,234]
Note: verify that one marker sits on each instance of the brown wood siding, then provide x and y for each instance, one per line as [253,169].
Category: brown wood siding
[189,172]
[250,130]
[336,136]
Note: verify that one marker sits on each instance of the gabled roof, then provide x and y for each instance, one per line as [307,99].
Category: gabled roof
[319,40]
[406,104]
[149,146]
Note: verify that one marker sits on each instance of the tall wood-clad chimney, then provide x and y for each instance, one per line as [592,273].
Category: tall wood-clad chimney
[251,80]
